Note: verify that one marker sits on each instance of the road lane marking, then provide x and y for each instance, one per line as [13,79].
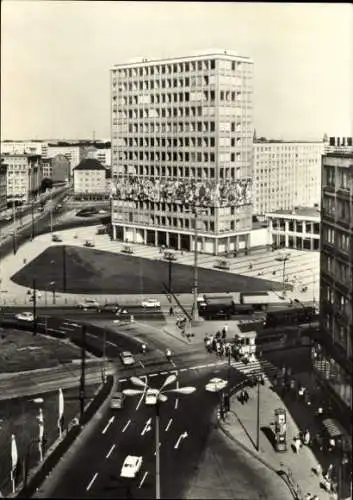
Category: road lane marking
[110,451]
[153,374]
[176,404]
[123,380]
[144,377]
[182,436]
[126,426]
[110,343]
[141,364]
[110,421]
[92,481]
[147,427]
[172,362]
[70,324]
[159,446]
[163,373]
[184,369]
[168,424]
[143,479]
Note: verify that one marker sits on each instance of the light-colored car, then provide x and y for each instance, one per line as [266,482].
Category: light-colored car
[131,466]
[151,303]
[89,304]
[25,316]
[102,211]
[117,401]
[127,358]
[151,396]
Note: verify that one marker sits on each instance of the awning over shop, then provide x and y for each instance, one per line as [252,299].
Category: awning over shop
[333,428]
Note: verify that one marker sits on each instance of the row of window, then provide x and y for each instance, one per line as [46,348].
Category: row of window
[180,67]
[228,96]
[184,127]
[296,226]
[340,270]
[181,172]
[338,178]
[338,238]
[179,157]
[181,142]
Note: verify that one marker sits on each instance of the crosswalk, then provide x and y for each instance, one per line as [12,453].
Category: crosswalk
[256,367]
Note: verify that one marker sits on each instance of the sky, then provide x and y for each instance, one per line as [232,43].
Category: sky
[56,57]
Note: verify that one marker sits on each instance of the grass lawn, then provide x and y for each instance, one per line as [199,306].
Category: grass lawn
[91,271]
[20,351]
[19,417]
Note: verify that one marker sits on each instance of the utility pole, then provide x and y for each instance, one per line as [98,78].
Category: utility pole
[195,312]
[64,268]
[158,457]
[82,395]
[170,277]
[32,219]
[34,287]
[258,417]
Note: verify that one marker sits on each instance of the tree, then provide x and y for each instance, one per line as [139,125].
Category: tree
[46,183]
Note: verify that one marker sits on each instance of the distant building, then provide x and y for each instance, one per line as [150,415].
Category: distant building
[332,355]
[25,147]
[23,178]
[75,153]
[3,186]
[56,168]
[298,228]
[286,174]
[90,179]
[182,136]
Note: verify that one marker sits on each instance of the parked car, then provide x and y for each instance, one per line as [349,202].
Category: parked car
[102,212]
[222,264]
[131,466]
[89,304]
[56,238]
[117,401]
[25,316]
[127,358]
[127,249]
[149,303]
[88,244]
[101,230]
[109,308]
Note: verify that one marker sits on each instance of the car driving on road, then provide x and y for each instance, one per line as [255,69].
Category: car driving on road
[88,304]
[127,358]
[109,308]
[88,244]
[149,303]
[151,396]
[25,316]
[117,401]
[131,466]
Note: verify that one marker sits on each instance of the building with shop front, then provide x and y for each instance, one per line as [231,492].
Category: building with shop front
[24,175]
[298,228]
[332,354]
[182,133]
[287,174]
[90,179]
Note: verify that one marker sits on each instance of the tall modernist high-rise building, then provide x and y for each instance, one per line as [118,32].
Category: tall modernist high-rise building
[333,355]
[182,133]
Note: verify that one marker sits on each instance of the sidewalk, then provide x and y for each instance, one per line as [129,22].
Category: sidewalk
[240,426]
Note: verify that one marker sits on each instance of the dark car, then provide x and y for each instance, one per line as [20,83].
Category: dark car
[109,308]
[56,238]
[88,244]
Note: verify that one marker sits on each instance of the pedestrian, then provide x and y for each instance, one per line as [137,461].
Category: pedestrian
[297,444]
[306,438]
[242,396]
[218,334]
[224,350]
[171,311]
[246,396]
[143,347]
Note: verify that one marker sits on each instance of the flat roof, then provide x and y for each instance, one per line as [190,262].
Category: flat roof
[283,141]
[299,211]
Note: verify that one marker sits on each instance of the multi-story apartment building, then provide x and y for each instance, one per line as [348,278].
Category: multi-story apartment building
[333,353]
[182,133]
[23,178]
[56,168]
[90,178]
[286,174]
[73,152]
[3,186]
[25,147]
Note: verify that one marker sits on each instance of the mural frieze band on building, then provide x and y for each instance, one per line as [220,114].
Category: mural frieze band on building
[202,193]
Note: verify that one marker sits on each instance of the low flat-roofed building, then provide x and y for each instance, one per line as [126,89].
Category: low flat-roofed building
[298,228]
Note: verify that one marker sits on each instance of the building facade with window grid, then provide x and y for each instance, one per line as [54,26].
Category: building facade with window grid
[182,133]
[286,174]
[333,353]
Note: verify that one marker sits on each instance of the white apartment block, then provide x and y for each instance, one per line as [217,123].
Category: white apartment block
[90,177]
[182,134]
[25,147]
[74,153]
[286,175]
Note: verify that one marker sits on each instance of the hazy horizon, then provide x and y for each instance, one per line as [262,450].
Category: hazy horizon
[56,57]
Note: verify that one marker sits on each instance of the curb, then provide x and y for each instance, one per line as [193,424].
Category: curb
[168,332]
[58,472]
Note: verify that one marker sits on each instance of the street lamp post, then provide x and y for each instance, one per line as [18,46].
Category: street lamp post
[52,284]
[158,396]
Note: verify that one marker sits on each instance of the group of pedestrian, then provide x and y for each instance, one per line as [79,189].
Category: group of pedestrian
[302,440]
[218,343]
[243,396]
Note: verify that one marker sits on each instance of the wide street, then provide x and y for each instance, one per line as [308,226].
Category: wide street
[185,426]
